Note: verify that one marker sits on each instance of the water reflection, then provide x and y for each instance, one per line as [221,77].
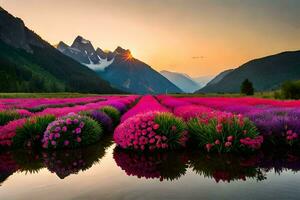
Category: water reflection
[227,167]
[159,165]
[220,167]
[163,166]
[63,162]
[8,166]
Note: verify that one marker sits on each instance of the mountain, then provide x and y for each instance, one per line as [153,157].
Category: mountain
[219,77]
[202,80]
[30,64]
[265,73]
[83,51]
[182,81]
[119,68]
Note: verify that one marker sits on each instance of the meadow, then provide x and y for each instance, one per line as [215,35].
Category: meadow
[133,138]
[149,123]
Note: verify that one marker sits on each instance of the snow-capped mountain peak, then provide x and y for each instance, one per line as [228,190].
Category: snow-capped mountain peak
[83,51]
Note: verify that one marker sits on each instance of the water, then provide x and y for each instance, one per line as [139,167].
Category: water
[105,172]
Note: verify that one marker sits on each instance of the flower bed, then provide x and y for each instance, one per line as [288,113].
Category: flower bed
[39,103]
[8,131]
[71,131]
[146,104]
[275,120]
[151,131]
[224,132]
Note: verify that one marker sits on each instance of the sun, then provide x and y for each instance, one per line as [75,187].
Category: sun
[128,56]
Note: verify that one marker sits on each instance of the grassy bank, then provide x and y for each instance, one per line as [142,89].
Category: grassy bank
[269,95]
[45,95]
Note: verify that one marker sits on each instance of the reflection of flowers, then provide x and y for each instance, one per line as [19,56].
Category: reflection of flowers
[7,166]
[28,160]
[280,161]
[157,165]
[71,161]
[226,167]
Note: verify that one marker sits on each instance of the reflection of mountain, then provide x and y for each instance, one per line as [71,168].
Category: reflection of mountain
[158,165]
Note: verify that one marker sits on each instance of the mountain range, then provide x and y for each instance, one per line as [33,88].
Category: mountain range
[267,73]
[30,64]
[119,67]
[202,80]
[182,81]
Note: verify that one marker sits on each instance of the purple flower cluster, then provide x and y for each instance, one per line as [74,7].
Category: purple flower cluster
[63,131]
[103,119]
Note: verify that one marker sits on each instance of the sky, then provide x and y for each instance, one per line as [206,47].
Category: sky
[196,37]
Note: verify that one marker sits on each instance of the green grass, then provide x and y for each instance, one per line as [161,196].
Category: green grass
[269,95]
[48,95]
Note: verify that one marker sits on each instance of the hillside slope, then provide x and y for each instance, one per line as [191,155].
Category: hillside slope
[30,64]
[265,73]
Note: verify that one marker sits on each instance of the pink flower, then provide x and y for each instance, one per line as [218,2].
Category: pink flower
[217,142]
[57,129]
[289,132]
[53,143]
[144,132]
[156,126]
[230,138]
[64,129]
[81,125]
[68,121]
[289,137]
[78,139]
[151,141]
[295,135]
[78,130]
[208,147]
[66,143]
[174,128]
[227,144]
[75,121]
[219,128]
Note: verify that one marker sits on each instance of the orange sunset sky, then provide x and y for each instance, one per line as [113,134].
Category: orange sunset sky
[196,37]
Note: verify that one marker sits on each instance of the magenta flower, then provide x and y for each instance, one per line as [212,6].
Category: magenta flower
[230,138]
[156,126]
[78,130]
[66,142]
[64,129]
[68,121]
[228,144]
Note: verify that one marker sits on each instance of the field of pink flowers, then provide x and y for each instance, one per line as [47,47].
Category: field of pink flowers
[18,113]
[150,123]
